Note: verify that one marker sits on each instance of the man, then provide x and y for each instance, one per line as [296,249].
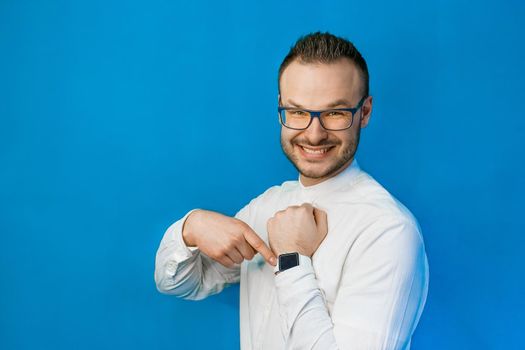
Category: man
[342,263]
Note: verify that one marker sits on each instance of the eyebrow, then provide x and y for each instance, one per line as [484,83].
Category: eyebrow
[336,103]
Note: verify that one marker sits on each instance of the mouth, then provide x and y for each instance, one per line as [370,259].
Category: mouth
[315,152]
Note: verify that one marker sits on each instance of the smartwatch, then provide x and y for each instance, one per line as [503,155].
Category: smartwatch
[287,261]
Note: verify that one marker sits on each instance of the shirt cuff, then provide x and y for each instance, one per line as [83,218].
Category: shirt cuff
[183,251]
[295,287]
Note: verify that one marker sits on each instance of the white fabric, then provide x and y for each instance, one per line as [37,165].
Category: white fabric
[365,288]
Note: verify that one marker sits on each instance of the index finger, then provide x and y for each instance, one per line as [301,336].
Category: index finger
[258,244]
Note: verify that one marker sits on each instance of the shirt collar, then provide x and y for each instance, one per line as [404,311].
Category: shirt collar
[332,184]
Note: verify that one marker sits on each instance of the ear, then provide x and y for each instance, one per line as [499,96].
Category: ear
[366,111]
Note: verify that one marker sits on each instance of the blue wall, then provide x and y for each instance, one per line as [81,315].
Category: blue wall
[118,117]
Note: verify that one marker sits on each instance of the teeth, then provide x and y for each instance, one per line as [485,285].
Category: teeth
[313,151]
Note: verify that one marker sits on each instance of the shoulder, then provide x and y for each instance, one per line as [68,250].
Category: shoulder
[378,217]
[377,202]
[388,233]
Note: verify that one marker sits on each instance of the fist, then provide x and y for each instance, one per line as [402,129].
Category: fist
[297,229]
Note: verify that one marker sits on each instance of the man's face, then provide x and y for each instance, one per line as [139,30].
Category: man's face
[317,153]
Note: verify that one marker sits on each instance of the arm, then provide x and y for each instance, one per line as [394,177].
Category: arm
[221,244]
[380,298]
[185,272]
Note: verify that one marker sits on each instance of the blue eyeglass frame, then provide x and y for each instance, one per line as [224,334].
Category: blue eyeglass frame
[317,114]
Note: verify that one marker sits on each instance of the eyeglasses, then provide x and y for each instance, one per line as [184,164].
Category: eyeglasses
[331,119]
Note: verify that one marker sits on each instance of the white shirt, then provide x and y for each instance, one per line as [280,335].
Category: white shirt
[364,288]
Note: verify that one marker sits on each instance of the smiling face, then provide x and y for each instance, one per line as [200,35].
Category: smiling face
[319,154]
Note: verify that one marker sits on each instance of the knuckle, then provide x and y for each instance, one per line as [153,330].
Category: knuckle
[257,245]
[215,255]
[237,239]
[241,225]
[229,246]
[225,248]
[244,230]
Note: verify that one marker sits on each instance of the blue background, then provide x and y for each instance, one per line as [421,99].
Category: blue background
[119,117]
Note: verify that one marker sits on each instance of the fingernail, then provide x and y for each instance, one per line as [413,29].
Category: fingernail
[272,260]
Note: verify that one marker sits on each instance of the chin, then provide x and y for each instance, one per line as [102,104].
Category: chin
[321,169]
[315,171]
[316,166]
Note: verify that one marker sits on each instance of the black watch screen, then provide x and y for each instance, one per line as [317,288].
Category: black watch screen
[288,260]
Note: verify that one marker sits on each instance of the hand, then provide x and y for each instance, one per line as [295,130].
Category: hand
[224,239]
[297,229]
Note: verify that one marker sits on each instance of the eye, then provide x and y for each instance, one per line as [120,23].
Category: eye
[297,113]
[335,114]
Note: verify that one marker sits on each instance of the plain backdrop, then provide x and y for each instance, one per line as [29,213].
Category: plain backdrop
[117,117]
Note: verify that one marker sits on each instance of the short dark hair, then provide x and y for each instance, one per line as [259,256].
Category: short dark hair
[325,48]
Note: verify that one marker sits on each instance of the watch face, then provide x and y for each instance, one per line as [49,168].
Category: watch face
[287,261]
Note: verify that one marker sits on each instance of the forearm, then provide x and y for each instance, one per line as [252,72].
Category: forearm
[308,324]
[380,296]
[186,272]
[303,311]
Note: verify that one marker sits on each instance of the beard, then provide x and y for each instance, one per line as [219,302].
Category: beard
[340,161]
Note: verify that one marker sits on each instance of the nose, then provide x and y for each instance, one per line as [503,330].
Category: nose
[315,133]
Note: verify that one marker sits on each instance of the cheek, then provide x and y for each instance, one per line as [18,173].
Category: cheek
[345,139]
[287,135]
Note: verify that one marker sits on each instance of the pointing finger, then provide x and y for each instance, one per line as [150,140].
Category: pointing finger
[258,244]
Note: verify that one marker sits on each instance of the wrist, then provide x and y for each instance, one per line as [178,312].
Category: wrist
[188,235]
[299,250]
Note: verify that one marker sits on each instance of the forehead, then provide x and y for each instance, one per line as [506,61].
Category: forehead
[315,85]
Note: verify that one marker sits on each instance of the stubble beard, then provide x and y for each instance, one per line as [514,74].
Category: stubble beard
[342,160]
